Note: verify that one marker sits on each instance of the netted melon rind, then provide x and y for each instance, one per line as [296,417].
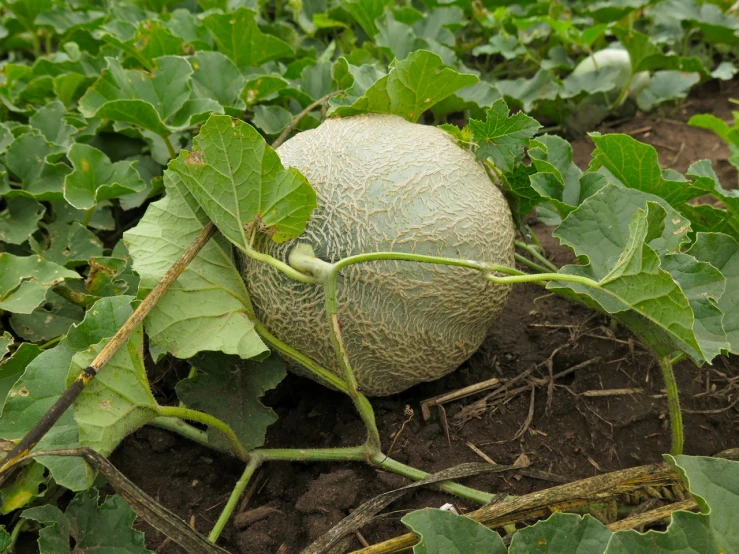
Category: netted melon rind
[385,184]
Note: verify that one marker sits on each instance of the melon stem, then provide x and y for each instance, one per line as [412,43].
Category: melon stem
[364,408]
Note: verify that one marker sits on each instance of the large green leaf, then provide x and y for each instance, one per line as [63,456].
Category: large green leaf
[557,178]
[118,401]
[68,244]
[207,307]
[19,219]
[95,178]
[241,184]
[503,137]
[31,158]
[238,36]
[45,379]
[24,281]
[444,532]
[12,367]
[104,528]
[635,165]
[229,389]
[622,234]
[722,252]
[161,102]
[413,86]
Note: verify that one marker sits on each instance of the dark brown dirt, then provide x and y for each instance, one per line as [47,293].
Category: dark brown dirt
[578,437]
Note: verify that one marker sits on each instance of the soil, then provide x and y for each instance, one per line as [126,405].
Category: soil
[569,434]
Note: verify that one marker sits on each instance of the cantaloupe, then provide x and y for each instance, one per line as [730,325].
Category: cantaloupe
[385,184]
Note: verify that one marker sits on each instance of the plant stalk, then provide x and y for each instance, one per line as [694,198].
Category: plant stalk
[236,493]
[187,431]
[456,489]
[534,251]
[170,148]
[361,404]
[528,263]
[210,421]
[673,403]
[347,454]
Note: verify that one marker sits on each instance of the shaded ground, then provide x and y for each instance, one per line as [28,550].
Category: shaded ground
[567,433]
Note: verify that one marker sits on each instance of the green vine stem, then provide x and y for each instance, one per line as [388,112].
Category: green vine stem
[278,264]
[364,408]
[186,430]
[673,403]
[534,251]
[170,148]
[531,265]
[456,489]
[347,454]
[210,421]
[236,493]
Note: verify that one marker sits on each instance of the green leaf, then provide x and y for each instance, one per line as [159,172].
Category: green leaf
[68,244]
[229,389]
[19,219]
[25,280]
[722,252]
[241,184]
[50,121]
[665,86]
[45,379]
[635,165]
[620,234]
[237,35]
[29,158]
[271,119]
[28,485]
[216,77]
[263,87]
[365,12]
[95,178]
[562,533]
[6,339]
[207,307]
[503,137]
[111,276]
[51,319]
[526,92]
[53,538]
[160,102]
[149,41]
[703,285]
[505,45]
[413,86]
[105,527]
[517,183]
[118,401]
[12,367]
[444,532]
[558,179]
